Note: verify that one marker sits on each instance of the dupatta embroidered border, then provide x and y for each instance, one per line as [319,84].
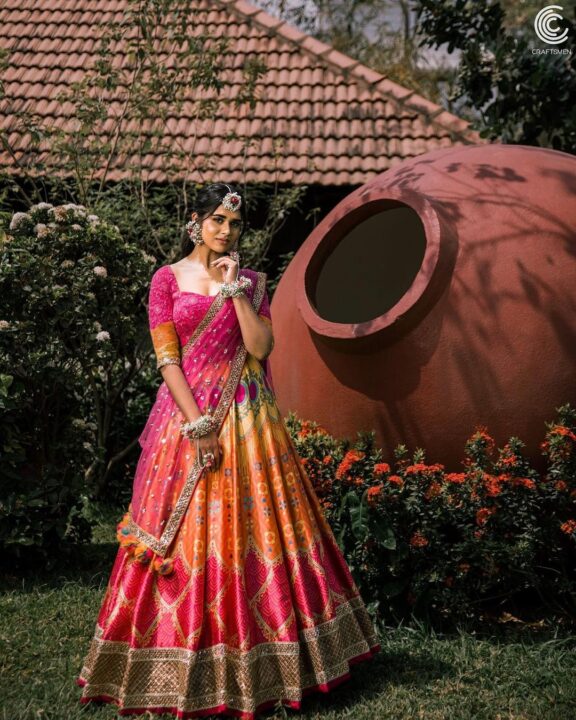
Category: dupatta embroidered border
[161,545]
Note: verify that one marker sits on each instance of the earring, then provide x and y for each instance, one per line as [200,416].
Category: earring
[195,232]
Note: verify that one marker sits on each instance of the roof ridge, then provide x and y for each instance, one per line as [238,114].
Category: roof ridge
[404,97]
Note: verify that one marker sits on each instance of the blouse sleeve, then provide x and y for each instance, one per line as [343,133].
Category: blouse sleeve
[162,329]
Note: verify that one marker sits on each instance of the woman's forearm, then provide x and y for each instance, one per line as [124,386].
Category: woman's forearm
[180,390]
[256,334]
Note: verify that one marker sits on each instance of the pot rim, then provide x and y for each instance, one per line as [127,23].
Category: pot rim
[359,206]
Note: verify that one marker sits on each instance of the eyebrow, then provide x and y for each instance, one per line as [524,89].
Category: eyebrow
[224,217]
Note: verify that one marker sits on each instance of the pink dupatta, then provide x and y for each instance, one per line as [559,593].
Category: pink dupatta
[211,360]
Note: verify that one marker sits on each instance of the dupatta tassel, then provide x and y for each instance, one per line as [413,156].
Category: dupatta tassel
[139,551]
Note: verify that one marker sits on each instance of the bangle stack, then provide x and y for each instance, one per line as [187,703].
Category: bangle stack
[197,428]
[236,287]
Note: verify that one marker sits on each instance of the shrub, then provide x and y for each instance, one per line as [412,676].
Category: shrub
[451,546]
[72,291]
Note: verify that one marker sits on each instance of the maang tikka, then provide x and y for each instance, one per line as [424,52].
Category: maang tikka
[232,201]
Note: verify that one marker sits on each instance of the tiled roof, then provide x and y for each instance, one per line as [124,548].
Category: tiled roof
[340,122]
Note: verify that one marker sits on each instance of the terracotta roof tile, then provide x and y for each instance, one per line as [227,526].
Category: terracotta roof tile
[328,118]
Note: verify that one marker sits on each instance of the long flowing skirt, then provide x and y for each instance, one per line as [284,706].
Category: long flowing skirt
[260,606]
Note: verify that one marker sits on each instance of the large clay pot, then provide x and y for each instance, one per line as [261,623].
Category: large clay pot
[437,297]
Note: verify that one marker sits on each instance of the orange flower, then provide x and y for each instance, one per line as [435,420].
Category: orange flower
[563,430]
[423,468]
[396,480]
[418,540]
[327,459]
[456,477]
[569,527]
[524,482]
[381,468]
[434,489]
[561,485]
[492,484]
[481,433]
[373,494]
[483,514]
[351,457]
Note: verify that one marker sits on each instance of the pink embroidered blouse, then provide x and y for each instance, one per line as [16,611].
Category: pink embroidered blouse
[174,314]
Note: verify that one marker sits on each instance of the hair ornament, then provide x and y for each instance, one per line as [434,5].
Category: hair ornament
[232,201]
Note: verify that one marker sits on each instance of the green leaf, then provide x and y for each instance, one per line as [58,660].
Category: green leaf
[384,535]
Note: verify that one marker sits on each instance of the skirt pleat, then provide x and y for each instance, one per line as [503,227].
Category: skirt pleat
[260,606]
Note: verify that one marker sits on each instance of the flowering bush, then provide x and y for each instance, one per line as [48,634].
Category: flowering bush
[451,545]
[72,291]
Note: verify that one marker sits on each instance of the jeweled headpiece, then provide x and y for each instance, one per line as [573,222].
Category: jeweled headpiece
[231,201]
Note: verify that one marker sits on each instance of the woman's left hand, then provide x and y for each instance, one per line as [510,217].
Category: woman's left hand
[229,268]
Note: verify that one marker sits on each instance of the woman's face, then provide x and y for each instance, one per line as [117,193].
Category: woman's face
[221,229]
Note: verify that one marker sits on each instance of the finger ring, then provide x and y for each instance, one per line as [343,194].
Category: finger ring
[207,459]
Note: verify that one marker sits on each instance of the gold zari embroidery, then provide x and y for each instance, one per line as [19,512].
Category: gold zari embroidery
[194,680]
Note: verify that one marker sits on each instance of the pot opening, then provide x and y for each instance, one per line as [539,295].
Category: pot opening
[371,267]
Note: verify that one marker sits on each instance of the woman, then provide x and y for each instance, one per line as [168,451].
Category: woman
[228,592]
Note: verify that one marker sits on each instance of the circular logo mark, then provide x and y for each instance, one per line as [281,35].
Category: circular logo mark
[544,28]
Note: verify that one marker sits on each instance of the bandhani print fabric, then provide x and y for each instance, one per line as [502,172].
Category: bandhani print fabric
[228,592]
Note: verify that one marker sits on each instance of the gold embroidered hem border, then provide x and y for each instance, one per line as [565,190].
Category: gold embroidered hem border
[195,680]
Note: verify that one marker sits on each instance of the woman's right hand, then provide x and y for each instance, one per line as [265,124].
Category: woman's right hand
[205,444]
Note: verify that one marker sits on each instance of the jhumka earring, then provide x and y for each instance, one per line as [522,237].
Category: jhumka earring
[195,232]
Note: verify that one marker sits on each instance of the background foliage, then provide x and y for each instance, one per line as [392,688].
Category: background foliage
[452,546]
[474,58]
[74,380]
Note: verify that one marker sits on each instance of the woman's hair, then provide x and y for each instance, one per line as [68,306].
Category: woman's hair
[205,203]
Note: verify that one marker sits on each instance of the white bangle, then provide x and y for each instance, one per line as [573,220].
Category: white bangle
[203,425]
[236,287]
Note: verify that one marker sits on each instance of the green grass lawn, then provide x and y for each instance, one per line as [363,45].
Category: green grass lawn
[47,620]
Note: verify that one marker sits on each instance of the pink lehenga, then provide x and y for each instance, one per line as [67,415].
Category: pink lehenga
[229,592]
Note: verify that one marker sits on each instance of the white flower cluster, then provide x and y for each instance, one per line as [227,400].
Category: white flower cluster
[101,271]
[41,230]
[103,336]
[17,220]
[148,258]
[67,212]
[486,56]
[41,206]
[78,209]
